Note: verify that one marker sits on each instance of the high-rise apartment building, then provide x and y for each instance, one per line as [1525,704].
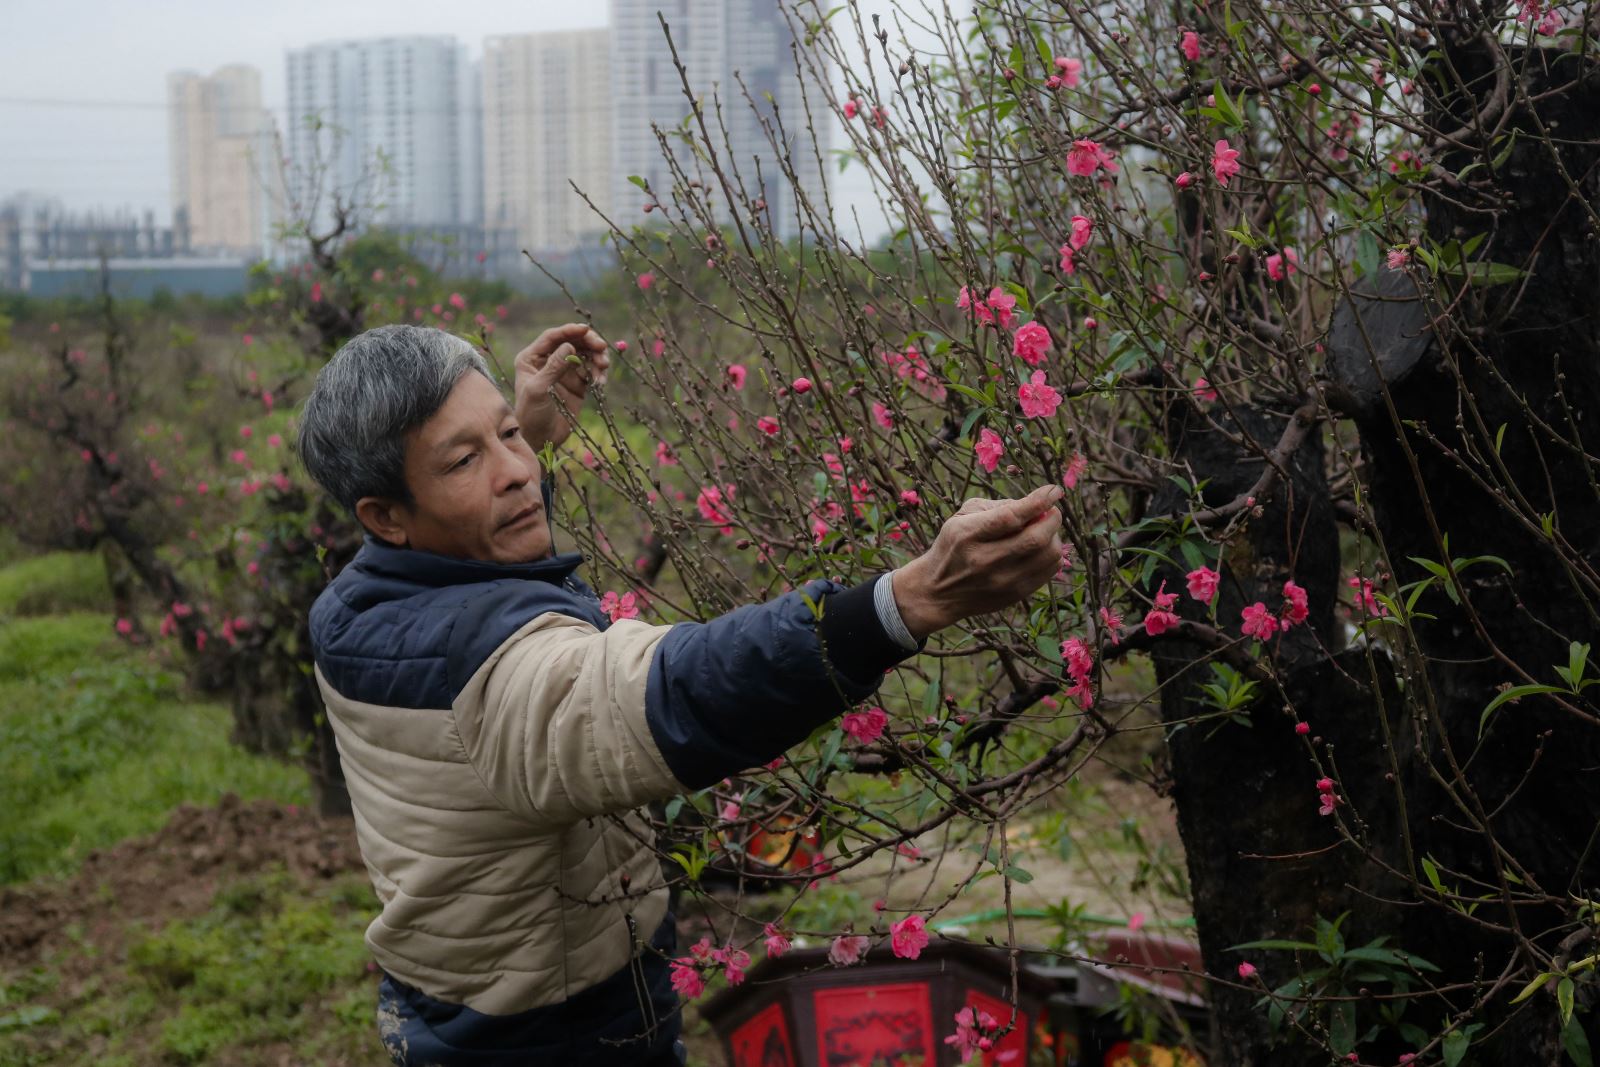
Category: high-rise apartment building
[391,123]
[715,39]
[223,160]
[547,121]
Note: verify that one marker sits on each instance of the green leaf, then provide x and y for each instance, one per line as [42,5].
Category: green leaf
[1455,1047]
[1226,109]
[1564,1000]
[1277,943]
[1577,659]
[640,182]
[1532,987]
[1367,253]
[930,698]
[1244,237]
[1513,693]
[1432,872]
[1017,874]
[967,391]
[1482,272]
[1576,1042]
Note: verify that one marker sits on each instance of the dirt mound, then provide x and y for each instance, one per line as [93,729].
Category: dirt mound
[173,872]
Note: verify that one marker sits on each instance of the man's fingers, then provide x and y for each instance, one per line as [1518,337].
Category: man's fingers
[1013,516]
[553,338]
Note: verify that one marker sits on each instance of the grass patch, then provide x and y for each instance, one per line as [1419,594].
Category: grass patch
[97,744]
[272,964]
[52,583]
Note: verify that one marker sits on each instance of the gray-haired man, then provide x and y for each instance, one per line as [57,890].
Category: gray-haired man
[498,732]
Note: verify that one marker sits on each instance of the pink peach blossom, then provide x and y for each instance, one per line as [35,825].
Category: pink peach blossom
[846,950]
[1038,400]
[1074,470]
[1259,622]
[989,448]
[1282,264]
[1295,608]
[865,726]
[686,979]
[776,941]
[1203,583]
[908,937]
[1224,162]
[1086,156]
[1031,342]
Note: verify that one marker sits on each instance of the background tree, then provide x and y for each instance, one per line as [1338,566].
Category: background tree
[1299,301]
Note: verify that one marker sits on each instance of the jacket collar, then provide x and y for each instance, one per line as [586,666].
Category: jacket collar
[383,560]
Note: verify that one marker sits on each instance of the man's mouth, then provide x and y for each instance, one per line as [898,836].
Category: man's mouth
[522,516]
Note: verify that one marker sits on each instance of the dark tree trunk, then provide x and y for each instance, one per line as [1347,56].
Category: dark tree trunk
[1262,863]
[277,708]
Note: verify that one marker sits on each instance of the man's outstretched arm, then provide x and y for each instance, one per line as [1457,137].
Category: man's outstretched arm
[564,721]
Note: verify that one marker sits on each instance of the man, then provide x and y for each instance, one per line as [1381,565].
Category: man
[497,732]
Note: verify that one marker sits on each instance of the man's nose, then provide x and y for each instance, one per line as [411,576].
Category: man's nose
[512,468]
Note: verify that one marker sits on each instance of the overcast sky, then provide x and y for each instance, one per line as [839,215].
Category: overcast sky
[83,82]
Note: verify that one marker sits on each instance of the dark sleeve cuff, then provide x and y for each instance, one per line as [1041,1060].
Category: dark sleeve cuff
[853,638]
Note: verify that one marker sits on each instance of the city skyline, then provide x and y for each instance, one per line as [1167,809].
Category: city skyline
[89,131]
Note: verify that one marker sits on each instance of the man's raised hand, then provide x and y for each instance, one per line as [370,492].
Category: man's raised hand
[564,362]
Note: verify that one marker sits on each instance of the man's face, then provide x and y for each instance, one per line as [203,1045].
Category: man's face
[471,473]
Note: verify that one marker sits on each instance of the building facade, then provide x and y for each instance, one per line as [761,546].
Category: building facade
[715,40]
[390,124]
[547,122]
[224,162]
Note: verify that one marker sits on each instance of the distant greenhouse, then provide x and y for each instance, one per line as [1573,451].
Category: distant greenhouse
[138,278]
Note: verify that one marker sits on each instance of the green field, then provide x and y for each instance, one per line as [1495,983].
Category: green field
[99,743]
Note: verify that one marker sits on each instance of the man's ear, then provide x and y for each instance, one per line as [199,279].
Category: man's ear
[384,518]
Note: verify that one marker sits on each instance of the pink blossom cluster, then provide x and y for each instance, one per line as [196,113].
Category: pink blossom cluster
[689,972]
[1082,230]
[865,726]
[1161,617]
[617,607]
[710,502]
[911,365]
[1080,668]
[1261,623]
[973,1027]
[1327,799]
[1365,599]
[996,309]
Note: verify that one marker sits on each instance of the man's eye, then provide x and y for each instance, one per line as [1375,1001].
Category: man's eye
[462,462]
[513,431]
